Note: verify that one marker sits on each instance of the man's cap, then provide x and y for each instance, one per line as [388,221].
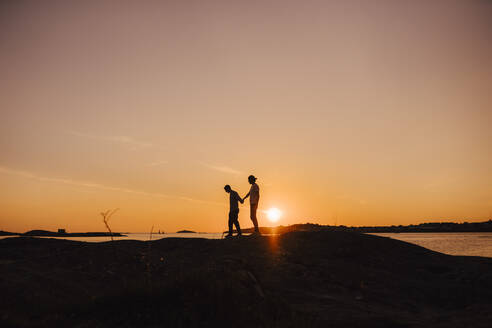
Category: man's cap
[252,177]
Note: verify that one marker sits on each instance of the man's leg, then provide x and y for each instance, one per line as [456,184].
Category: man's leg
[231,220]
[236,223]
[234,220]
[238,228]
[253,209]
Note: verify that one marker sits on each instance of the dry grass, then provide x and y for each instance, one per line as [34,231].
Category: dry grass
[149,260]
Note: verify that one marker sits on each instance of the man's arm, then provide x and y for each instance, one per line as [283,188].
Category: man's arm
[239,198]
[247,195]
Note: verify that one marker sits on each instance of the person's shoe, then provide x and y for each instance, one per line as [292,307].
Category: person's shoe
[229,235]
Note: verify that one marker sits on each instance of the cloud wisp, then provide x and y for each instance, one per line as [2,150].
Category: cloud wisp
[71,182]
[30,175]
[123,140]
[224,169]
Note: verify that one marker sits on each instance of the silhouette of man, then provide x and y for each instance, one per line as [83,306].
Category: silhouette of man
[254,198]
[234,210]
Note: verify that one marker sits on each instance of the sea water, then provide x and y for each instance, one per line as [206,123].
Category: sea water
[452,243]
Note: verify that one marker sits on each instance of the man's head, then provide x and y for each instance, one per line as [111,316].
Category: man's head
[251,179]
[227,188]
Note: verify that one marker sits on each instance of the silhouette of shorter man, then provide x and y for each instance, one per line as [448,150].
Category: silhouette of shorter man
[234,210]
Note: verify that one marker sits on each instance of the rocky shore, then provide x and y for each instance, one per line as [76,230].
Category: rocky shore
[297,279]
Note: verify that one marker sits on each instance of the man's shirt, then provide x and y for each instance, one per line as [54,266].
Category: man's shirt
[254,194]
[234,199]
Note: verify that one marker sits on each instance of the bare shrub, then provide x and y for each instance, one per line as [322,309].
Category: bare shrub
[106,215]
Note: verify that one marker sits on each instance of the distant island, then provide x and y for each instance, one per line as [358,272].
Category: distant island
[61,233]
[423,227]
[186,231]
[6,233]
[427,227]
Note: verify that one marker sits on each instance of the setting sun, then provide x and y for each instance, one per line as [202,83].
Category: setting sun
[273,214]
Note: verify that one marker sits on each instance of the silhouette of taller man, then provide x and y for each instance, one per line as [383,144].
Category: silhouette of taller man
[234,210]
[254,198]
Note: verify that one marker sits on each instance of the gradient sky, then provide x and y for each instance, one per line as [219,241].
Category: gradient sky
[348,112]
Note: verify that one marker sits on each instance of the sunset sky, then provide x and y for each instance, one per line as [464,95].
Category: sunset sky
[348,112]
